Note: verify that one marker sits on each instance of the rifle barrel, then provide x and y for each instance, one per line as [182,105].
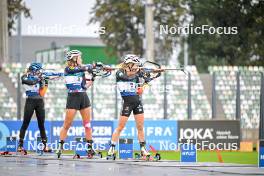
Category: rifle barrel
[172,68]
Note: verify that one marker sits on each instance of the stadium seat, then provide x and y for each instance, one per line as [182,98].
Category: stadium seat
[249,92]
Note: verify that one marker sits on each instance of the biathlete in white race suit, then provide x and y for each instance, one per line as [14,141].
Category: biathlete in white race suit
[128,82]
[77,99]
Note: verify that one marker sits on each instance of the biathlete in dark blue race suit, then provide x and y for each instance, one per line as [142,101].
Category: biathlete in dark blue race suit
[35,83]
[77,99]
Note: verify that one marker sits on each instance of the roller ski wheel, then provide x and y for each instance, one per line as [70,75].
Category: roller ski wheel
[5,153]
[77,156]
[111,157]
[111,154]
[41,153]
[90,156]
[137,156]
[100,155]
[157,157]
[146,157]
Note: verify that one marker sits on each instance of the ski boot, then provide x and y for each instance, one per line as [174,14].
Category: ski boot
[46,149]
[111,154]
[90,150]
[20,148]
[144,154]
[60,148]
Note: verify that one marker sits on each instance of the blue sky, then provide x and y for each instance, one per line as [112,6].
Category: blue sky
[60,17]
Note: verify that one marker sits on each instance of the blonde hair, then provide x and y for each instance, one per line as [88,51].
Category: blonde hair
[72,62]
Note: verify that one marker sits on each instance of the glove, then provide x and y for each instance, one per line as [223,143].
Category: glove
[141,73]
[99,64]
[147,79]
[46,83]
[42,77]
[88,67]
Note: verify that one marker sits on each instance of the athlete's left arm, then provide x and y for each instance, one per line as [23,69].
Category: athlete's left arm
[48,74]
[83,68]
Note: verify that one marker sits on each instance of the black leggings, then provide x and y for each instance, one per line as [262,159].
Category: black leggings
[32,104]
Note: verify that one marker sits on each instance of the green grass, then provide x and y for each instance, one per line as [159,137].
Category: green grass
[211,156]
[231,157]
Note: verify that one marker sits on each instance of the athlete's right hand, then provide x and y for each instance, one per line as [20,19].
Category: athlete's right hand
[99,64]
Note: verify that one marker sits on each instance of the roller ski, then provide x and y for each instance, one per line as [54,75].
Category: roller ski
[146,155]
[157,156]
[6,153]
[21,150]
[44,149]
[89,153]
[94,154]
[111,154]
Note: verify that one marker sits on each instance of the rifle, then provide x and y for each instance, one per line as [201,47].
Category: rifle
[149,70]
[99,71]
[51,75]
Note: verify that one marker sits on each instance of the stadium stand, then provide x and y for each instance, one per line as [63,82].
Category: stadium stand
[104,95]
[249,92]
[177,86]
[8,106]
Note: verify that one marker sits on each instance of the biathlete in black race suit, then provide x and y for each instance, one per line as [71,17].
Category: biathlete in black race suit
[128,82]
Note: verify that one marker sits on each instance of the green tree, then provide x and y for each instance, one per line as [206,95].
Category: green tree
[244,48]
[125,24]
[14,8]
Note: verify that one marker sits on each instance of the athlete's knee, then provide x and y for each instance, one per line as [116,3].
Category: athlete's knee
[66,126]
[87,124]
[119,128]
[140,127]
